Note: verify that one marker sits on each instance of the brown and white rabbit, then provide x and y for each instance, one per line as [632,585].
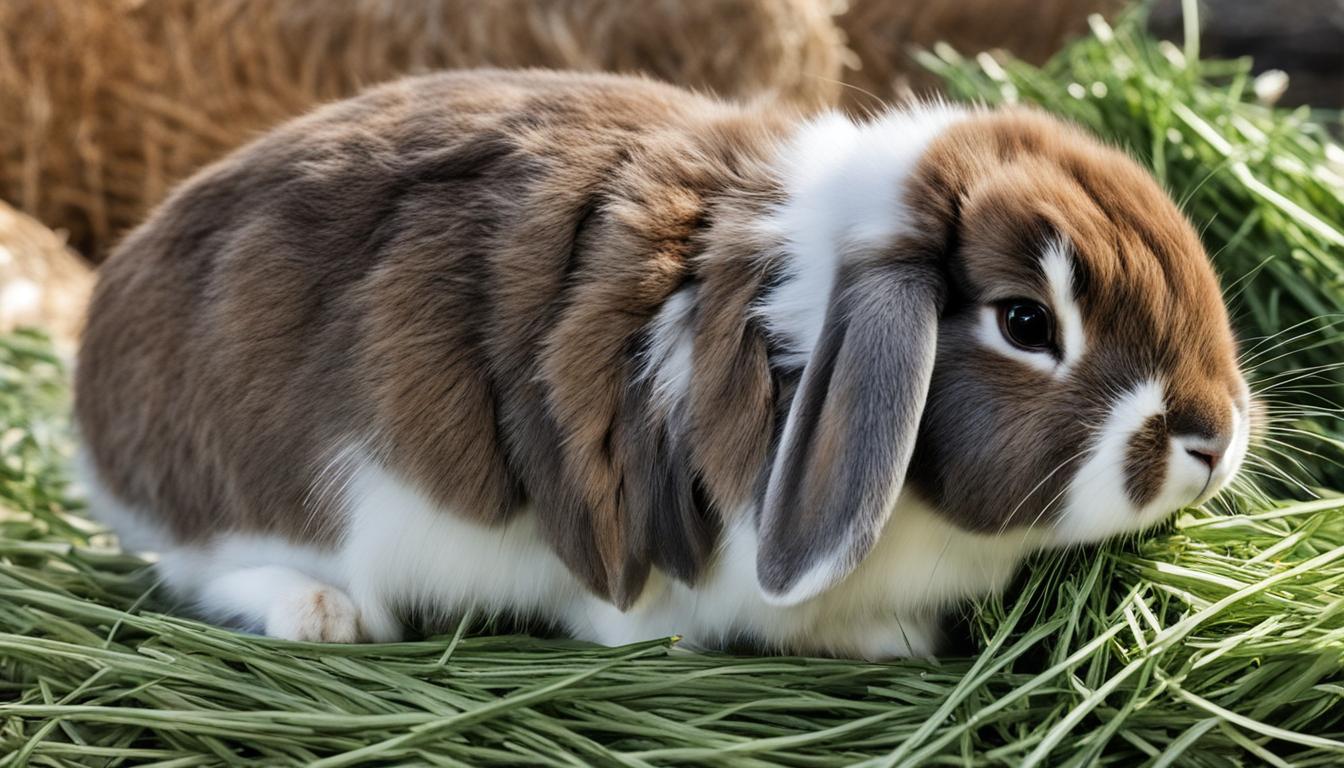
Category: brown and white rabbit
[601,351]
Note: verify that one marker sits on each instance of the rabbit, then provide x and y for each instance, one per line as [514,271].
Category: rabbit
[637,362]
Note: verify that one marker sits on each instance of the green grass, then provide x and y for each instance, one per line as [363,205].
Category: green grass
[1216,641]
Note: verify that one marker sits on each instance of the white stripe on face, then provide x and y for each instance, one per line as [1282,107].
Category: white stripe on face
[1058,268]
[1096,504]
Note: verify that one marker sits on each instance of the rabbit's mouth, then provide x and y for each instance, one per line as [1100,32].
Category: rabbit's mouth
[1146,462]
[1221,471]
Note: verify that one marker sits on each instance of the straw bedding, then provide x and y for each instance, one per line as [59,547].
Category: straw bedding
[105,103]
[42,282]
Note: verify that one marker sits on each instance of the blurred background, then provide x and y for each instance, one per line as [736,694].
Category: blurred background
[1303,38]
[105,104]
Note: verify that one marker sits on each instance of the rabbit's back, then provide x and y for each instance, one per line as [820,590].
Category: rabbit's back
[391,273]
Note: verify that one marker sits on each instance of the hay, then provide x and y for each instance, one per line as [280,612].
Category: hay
[106,103]
[43,283]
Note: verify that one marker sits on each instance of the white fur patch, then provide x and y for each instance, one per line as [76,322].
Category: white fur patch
[1058,268]
[1236,454]
[402,551]
[1096,505]
[283,603]
[268,584]
[844,185]
[668,360]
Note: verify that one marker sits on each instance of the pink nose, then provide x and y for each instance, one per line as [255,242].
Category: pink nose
[1208,457]
[1208,449]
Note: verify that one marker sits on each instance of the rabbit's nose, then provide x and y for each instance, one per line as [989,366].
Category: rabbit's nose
[1208,450]
[1210,459]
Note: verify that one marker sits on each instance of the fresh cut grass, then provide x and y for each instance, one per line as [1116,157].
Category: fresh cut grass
[1215,641]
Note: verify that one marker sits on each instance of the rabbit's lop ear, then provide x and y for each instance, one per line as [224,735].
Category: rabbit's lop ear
[851,429]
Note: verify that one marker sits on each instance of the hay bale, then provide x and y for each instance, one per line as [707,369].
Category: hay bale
[43,284]
[105,103]
[882,33]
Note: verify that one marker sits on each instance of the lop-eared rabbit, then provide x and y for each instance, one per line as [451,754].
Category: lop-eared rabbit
[601,351]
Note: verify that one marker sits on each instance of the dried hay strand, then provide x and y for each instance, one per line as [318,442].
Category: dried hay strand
[104,104]
[43,284]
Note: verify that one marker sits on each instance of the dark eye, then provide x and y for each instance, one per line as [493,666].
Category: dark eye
[1027,324]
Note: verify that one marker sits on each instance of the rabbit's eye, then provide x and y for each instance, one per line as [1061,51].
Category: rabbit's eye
[1027,324]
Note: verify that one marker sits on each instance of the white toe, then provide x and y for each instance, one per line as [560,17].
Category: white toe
[320,614]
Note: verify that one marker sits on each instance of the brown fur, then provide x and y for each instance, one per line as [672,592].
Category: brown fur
[459,272]
[465,260]
[1145,462]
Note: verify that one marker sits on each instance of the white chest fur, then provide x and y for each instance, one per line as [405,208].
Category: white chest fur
[402,551]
